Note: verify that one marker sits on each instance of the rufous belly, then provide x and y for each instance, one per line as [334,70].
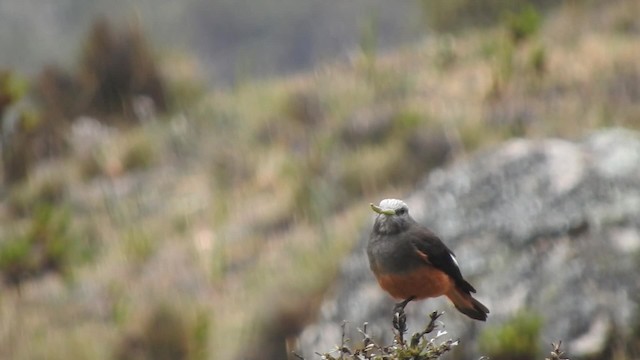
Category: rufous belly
[423,282]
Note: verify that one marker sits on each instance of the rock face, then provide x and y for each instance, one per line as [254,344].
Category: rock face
[549,226]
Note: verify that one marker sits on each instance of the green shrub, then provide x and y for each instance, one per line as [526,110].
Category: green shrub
[523,24]
[420,346]
[524,330]
[16,129]
[15,260]
[48,244]
[518,338]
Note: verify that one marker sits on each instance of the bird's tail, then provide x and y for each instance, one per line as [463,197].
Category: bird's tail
[466,304]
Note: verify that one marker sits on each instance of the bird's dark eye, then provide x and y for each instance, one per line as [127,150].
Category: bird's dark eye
[401,211]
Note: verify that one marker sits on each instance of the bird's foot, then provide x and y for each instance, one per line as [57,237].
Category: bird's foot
[400,318]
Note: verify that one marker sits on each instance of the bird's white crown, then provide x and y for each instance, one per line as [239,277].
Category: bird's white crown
[392,204]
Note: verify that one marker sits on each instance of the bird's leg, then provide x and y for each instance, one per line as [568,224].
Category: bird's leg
[400,318]
[399,307]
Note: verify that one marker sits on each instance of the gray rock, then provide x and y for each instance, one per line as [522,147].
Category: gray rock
[550,226]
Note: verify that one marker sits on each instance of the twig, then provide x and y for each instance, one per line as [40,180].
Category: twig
[433,317]
[556,353]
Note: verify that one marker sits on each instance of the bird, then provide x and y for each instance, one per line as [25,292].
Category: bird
[411,263]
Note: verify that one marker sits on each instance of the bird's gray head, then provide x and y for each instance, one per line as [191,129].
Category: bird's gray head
[393,216]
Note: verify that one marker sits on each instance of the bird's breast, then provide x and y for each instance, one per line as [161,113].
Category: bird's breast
[389,254]
[423,282]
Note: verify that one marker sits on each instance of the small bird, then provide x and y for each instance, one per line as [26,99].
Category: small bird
[411,262]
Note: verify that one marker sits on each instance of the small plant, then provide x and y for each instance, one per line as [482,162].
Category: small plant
[17,129]
[448,16]
[419,347]
[423,347]
[48,244]
[15,259]
[524,24]
[516,339]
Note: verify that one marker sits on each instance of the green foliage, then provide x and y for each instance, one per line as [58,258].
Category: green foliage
[12,89]
[446,16]
[200,336]
[48,244]
[406,122]
[516,339]
[523,24]
[15,262]
[16,129]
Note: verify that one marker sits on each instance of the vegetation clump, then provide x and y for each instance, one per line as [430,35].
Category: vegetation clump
[423,346]
[516,339]
[48,244]
[419,347]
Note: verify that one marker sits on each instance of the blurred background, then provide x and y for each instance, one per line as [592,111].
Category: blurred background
[181,179]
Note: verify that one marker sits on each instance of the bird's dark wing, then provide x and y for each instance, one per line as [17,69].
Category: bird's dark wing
[433,251]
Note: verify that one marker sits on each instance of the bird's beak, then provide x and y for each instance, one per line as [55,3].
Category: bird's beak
[379,210]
